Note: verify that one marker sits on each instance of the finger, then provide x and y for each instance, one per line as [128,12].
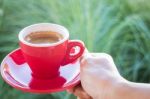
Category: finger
[82,98]
[101,56]
[84,62]
[85,52]
[78,98]
[104,59]
[70,90]
[81,93]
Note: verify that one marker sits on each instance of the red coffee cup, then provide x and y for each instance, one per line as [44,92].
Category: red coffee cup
[45,59]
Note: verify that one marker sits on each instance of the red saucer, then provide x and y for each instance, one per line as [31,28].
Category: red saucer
[16,72]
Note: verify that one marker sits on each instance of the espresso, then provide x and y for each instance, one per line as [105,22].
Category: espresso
[43,37]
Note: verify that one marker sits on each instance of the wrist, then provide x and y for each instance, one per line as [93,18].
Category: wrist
[121,89]
[114,88]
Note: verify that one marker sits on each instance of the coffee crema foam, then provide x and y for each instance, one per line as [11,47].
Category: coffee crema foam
[43,37]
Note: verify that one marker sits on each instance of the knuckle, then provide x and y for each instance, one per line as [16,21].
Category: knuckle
[96,58]
[85,60]
[105,57]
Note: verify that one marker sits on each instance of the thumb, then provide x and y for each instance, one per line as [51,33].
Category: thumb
[84,54]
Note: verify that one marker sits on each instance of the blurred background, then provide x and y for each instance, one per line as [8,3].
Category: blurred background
[118,27]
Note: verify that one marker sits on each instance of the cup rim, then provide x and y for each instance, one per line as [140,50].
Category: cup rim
[22,32]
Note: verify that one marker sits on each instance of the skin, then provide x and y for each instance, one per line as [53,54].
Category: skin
[100,79]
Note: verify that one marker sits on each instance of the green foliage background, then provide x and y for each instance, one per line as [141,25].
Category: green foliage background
[117,27]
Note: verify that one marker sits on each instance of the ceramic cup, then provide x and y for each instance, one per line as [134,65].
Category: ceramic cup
[45,59]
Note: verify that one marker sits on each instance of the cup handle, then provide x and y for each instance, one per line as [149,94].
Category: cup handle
[70,58]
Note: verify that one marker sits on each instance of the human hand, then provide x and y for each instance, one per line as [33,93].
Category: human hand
[99,77]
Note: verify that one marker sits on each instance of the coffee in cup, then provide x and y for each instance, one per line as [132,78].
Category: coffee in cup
[43,37]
